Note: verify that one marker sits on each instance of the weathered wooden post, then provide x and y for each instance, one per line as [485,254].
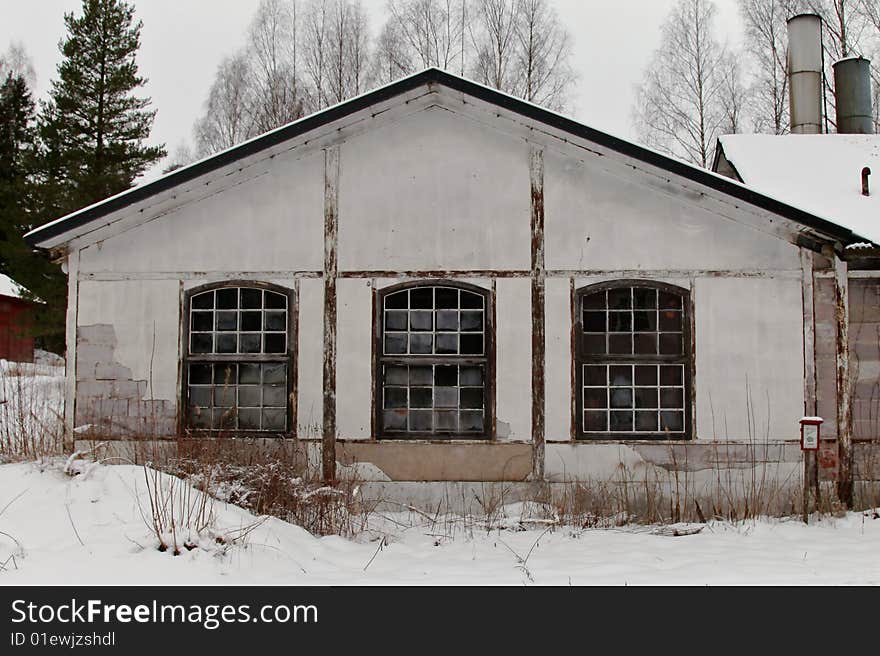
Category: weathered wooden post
[810,429]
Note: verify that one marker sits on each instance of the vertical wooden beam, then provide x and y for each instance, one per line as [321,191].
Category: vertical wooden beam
[331,244]
[811,462]
[536,176]
[70,354]
[844,401]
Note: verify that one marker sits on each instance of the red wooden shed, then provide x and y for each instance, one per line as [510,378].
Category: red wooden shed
[16,317]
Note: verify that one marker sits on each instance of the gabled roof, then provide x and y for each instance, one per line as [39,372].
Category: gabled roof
[819,172]
[434,76]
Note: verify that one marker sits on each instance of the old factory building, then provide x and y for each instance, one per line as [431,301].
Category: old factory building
[449,284]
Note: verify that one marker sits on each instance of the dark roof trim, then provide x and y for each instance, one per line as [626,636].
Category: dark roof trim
[429,76]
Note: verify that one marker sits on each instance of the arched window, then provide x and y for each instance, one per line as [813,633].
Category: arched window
[433,377]
[238,362]
[633,361]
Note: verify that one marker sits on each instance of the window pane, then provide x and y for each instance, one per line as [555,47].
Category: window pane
[275,321]
[395,320]
[396,376]
[445,420]
[421,298]
[395,343]
[646,421]
[395,397]
[595,375]
[471,376]
[397,301]
[275,301]
[274,419]
[421,376]
[200,374]
[471,301]
[620,322]
[471,398]
[225,374]
[646,397]
[670,343]
[620,298]
[621,375]
[250,342]
[276,343]
[447,320]
[446,397]
[421,397]
[620,344]
[595,322]
[446,298]
[445,376]
[644,321]
[394,419]
[421,343]
[645,344]
[672,421]
[471,344]
[671,375]
[227,298]
[621,397]
[669,301]
[274,373]
[594,344]
[621,421]
[275,396]
[644,298]
[594,301]
[252,321]
[670,320]
[227,320]
[201,342]
[596,397]
[203,321]
[421,321]
[672,397]
[249,397]
[249,418]
[203,301]
[447,343]
[227,343]
[420,420]
[200,396]
[472,321]
[646,374]
[252,298]
[470,421]
[595,421]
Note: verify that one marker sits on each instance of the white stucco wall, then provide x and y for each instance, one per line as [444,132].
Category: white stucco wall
[433,191]
[438,191]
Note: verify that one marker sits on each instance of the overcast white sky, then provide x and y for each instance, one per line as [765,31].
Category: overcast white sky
[184,40]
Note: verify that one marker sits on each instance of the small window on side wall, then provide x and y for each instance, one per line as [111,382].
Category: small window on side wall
[433,373]
[633,361]
[238,360]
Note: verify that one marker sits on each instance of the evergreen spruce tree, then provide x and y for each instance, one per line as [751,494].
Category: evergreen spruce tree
[94,127]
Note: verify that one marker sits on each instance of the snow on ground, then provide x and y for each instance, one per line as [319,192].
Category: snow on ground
[92,528]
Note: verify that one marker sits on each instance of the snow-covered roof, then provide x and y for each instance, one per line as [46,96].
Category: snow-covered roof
[818,173]
[8,287]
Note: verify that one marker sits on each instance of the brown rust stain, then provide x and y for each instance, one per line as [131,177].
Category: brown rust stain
[331,243]
[844,405]
[536,176]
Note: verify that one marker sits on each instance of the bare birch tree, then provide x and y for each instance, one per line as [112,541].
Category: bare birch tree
[15,61]
[391,56]
[493,30]
[766,44]
[228,118]
[272,53]
[681,106]
[433,31]
[543,56]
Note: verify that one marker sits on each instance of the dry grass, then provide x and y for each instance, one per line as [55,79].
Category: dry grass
[31,412]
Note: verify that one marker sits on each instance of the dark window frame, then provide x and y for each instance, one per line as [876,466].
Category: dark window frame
[686,359]
[487,360]
[289,358]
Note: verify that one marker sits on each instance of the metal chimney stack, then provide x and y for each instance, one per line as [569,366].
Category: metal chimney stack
[852,91]
[805,73]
